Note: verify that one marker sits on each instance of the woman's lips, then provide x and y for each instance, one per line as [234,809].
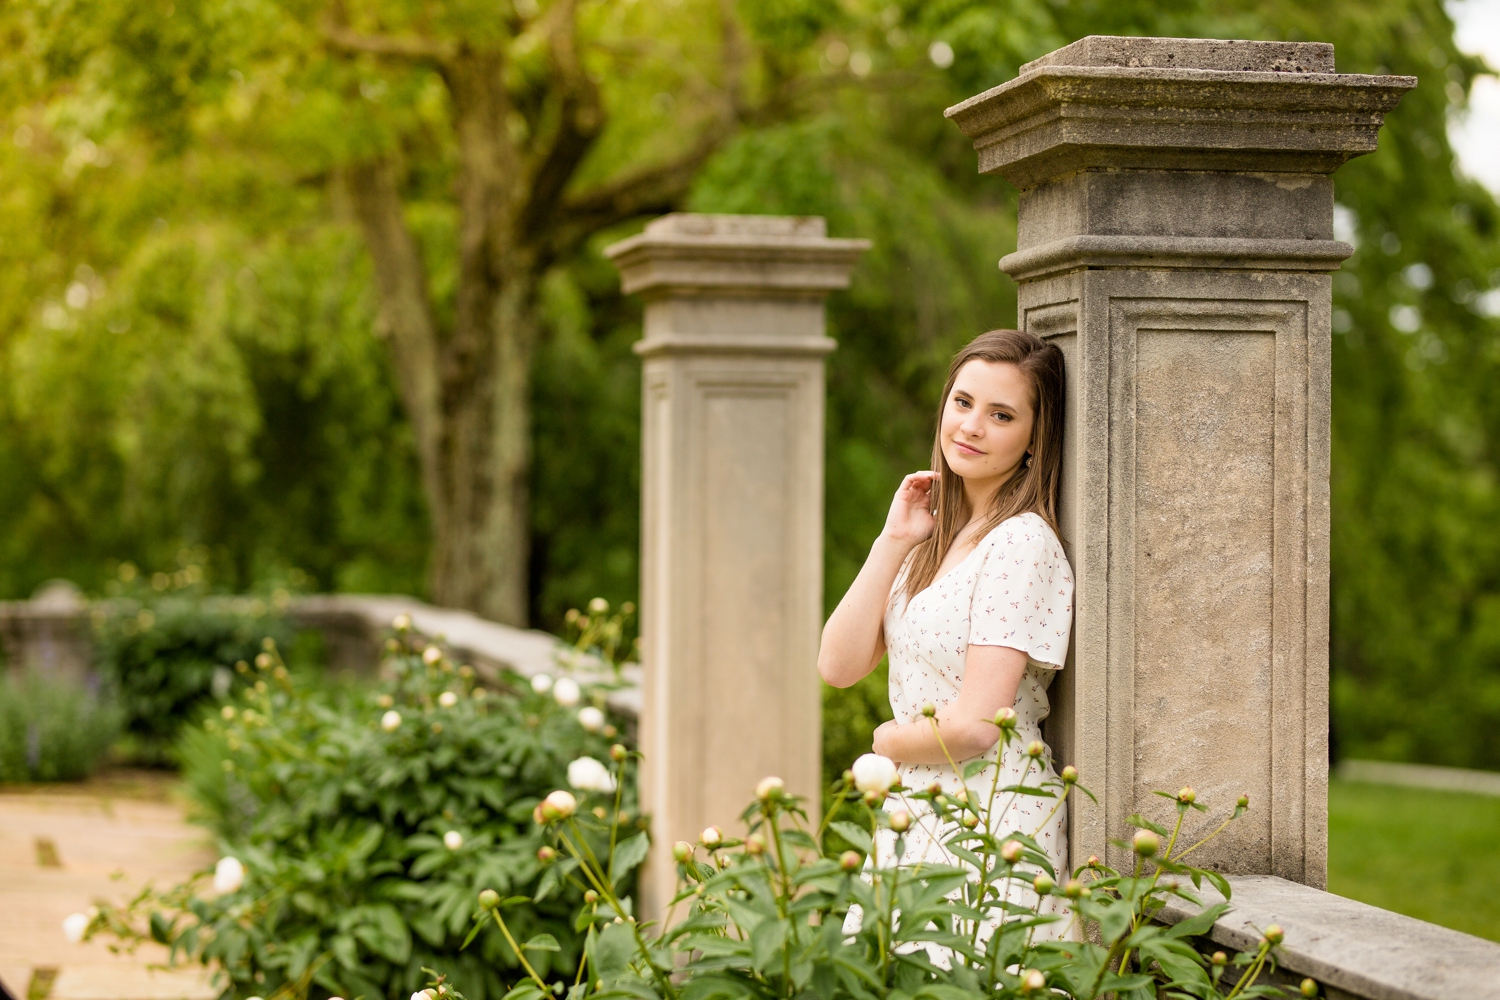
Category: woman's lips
[966,449]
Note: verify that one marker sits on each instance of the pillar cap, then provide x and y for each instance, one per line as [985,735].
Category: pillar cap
[689,253]
[1177,104]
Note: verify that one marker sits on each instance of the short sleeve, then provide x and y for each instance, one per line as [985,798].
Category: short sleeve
[1024,595]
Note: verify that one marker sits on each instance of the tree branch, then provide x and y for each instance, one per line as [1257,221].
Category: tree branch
[404,313]
[340,36]
[580,119]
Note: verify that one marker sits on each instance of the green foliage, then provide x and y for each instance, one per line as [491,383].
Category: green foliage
[220,384]
[1428,854]
[169,647]
[338,808]
[53,729]
[779,914]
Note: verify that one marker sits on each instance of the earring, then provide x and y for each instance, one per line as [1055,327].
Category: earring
[1027,464]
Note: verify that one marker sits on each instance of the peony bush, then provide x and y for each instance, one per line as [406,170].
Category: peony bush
[357,830]
[778,914]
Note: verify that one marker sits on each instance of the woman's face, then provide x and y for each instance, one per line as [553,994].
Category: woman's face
[987,421]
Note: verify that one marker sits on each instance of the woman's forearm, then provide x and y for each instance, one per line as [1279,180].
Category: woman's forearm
[852,638]
[916,743]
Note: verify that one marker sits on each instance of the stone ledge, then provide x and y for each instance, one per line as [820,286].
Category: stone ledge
[1176,104]
[1212,253]
[686,252]
[707,343]
[1346,945]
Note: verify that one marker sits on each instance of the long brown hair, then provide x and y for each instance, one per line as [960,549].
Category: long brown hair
[1034,485]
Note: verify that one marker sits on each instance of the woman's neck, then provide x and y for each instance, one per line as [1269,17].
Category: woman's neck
[980,495]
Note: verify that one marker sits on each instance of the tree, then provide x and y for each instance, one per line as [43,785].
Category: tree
[476,147]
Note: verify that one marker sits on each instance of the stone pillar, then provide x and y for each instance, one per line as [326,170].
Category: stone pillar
[1175,239]
[732,513]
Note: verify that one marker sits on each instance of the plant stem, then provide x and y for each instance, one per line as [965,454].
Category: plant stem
[517,949]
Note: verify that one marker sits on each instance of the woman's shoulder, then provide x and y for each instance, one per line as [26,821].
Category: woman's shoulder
[1027,530]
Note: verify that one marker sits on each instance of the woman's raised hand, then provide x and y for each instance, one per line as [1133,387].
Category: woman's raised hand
[910,519]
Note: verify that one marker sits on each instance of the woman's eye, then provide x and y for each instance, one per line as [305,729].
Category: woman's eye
[960,401]
[999,415]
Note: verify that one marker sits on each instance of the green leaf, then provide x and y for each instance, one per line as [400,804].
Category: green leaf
[542,942]
[629,854]
[766,942]
[858,837]
[612,949]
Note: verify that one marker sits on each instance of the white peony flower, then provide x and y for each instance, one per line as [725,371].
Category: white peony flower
[591,718]
[74,926]
[391,721]
[431,655]
[589,775]
[229,875]
[566,691]
[453,840]
[447,699]
[401,622]
[874,773]
[541,683]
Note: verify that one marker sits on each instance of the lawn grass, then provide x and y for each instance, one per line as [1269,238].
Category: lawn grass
[1428,854]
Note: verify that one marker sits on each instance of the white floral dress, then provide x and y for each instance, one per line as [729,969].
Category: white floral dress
[1014,589]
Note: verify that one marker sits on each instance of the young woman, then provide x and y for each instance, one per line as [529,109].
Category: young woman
[969,593]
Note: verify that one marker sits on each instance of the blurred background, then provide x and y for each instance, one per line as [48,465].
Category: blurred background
[244,243]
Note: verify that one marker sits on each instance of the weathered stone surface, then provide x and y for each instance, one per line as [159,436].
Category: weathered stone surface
[1184,104]
[1175,234]
[732,510]
[1351,948]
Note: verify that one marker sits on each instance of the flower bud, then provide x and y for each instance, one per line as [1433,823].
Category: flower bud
[431,655]
[1186,795]
[1005,718]
[541,683]
[872,799]
[900,820]
[1069,775]
[590,718]
[711,837]
[682,851]
[1043,884]
[401,623]
[1033,980]
[617,753]
[755,844]
[448,699]
[1093,861]
[227,712]
[75,926]
[546,855]
[385,701]
[1275,934]
[598,606]
[1035,749]
[1011,851]
[850,861]
[769,788]
[1219,958]
[263,661]
[229,875]
[559,805]
[1309,988]
[1146,843]
[453,840]
[489,899]
[566,692]
[390,721]
[590,896]
[935,788]
[1243,802]
[1072,888]
[928,710]
[970,821]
